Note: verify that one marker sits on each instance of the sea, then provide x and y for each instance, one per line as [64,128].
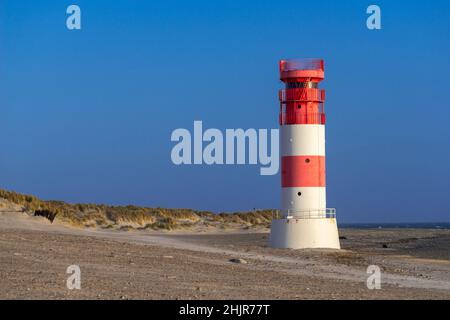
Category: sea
[424,225]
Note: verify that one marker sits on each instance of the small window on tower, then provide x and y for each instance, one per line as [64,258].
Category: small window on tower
[299,106]
[307,160]
[299,193]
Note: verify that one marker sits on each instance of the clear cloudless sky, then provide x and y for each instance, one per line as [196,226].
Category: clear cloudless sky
[86,116]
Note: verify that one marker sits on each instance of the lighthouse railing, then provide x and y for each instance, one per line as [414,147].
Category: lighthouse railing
[301,94]
[301,64]
[328,213]
[291,117]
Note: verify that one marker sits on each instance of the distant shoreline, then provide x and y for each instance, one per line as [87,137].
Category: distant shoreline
[401,225]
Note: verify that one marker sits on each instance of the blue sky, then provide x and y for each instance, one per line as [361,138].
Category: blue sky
[86,116]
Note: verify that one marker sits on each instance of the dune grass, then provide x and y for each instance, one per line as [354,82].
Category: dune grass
[135,217]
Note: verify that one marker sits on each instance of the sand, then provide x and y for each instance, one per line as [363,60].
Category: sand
[34,256]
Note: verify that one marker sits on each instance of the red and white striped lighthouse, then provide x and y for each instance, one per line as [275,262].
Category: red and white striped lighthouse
[305,221]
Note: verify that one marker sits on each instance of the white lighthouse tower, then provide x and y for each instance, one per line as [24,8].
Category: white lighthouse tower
[304,220]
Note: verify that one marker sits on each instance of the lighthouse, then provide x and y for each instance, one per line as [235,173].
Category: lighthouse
[304,220]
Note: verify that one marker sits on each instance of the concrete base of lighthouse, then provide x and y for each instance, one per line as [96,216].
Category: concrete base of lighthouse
[301,233]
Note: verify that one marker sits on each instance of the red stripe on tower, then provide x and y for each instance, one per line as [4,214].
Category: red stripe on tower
[303,171]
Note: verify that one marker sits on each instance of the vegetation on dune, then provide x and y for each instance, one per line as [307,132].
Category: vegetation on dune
[133,217]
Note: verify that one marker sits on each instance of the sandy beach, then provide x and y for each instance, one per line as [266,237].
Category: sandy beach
[34,256]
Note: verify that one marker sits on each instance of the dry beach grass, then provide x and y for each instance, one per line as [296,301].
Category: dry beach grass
[133,217]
